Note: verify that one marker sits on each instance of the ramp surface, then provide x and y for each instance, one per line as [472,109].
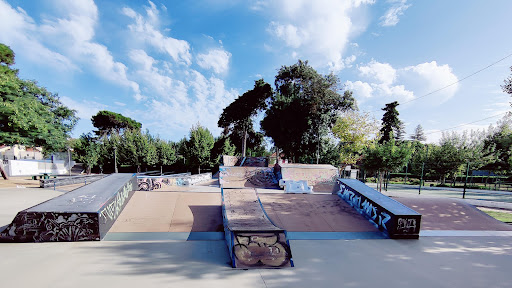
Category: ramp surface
[252,239]
[452,214]
[171,212]
[314,213]
[248,177]
[86,213]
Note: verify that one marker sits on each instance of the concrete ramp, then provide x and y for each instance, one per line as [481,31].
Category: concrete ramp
[253,240]
[321,176]
[84,214]
[248,177]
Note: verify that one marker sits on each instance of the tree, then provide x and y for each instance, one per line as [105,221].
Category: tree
[29,114]
[87,151]
[354,130]
[418,135]
[447,158]
[107,121]
[199,147]
[386,157]
[222,146]
[238,115]
[166,152]
[137,149]
[390,122]
[303,109]
[498,146]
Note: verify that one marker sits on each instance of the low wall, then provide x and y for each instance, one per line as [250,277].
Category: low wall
[320,176]
[36,167]
[146,183]
[84,214]
[389,215]
[248,177]
[86,179]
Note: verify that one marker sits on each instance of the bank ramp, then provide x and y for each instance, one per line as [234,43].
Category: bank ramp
[252,239]
[84,214]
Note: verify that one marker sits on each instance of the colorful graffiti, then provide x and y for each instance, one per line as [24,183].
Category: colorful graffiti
[147,183]
[397,220]
[261,250]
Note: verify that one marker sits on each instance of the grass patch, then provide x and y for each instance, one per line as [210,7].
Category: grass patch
[501,216]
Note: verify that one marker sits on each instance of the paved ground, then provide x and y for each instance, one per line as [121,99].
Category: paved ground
[431,261]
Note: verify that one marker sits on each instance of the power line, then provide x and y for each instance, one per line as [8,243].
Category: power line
[465,124]
[456,82]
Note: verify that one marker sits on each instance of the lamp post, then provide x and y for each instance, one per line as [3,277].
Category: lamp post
[69,160]
[115,159]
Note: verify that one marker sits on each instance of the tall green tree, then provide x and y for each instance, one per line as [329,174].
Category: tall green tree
[418,134]
[29,114]
[391,124]
[137,149]
[108,121]
[87,151]
[303,109]
[199,147]
[355,130]
[498,146]
[237,117]
[386,157]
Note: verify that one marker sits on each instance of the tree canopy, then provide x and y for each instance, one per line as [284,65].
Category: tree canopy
[237,116]
[391,124]
[107,121]
[303,108]
[29,114]
[199,146]
[418,134]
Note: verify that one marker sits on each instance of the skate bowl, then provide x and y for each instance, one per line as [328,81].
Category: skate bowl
[389,215]
[247,177]
[321,177]
[253,240]
[84,214]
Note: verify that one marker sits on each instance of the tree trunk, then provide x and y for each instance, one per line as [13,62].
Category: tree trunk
[244,143]
[4,175]
[199,169]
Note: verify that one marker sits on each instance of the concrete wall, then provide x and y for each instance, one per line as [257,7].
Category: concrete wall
[36,167]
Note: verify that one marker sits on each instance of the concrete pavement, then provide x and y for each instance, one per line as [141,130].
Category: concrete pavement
[434,261]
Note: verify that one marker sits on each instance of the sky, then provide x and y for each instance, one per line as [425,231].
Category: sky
[174,64]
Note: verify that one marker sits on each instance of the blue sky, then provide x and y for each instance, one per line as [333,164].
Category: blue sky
[173,64]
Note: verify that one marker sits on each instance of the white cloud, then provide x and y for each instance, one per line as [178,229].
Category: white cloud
[382,72]
[146,29]
[215,59]
[391,17]
[428,77]
[19,31]
[317,30]
[360,89]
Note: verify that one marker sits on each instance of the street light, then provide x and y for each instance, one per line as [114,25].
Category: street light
[69,160]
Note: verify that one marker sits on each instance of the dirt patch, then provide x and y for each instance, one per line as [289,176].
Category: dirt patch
[19,182]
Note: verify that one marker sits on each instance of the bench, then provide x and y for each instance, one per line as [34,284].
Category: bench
[389,215]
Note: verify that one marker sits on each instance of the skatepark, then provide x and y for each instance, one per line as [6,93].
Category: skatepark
[190,235]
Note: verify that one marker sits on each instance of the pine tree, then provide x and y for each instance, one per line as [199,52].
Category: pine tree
[418,135]
[390,122]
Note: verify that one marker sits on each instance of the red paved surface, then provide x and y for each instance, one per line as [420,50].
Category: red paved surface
[313,213]
[452,214]
[171,212]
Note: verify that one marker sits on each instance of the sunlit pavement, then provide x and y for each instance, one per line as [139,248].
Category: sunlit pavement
[434,261]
